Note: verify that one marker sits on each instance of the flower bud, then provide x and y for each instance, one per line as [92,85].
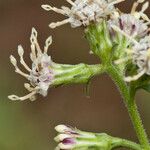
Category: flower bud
[73,139]
[63,129]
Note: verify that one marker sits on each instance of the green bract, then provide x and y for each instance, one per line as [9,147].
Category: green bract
[99,40]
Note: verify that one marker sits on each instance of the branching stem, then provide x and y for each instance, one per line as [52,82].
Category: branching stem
[131,106]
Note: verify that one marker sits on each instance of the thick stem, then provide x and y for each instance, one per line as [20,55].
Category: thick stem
[131,106]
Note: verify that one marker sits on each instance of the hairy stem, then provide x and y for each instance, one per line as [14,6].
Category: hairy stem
[118,142]
[131,106]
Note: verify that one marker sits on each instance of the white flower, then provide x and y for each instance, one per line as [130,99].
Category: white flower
[130,25]
[83,12]
[133,25]
[141,58]
[139,54]
[41,73]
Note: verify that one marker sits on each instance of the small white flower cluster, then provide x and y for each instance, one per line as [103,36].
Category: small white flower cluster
[83,12]
[134,24]
[129,24]
[135,27]
[41,74]
[71,138]
[140,55]
[66,137]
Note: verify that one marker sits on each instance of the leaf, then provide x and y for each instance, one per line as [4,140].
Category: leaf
[142,83]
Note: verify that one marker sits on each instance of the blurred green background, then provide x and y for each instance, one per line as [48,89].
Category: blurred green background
[30,125]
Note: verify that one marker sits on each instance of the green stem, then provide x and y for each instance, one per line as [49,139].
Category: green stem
[131,106]
[118,142]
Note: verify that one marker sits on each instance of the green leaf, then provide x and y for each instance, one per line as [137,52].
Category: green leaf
[142,83]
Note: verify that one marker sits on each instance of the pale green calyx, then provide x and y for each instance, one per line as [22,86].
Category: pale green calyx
[100,40]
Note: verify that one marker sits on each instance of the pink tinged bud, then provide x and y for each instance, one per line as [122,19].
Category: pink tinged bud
[62,137]
[69,141]
[63,129]
[67,144]
[66,129]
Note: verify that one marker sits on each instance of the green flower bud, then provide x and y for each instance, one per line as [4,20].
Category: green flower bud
[70,138]
[73,139]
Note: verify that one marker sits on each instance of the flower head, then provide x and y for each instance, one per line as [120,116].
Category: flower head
[140,56]
[83,12]
[133,25]
[41,74]
[130,25]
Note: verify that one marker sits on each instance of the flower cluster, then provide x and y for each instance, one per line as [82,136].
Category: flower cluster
[66,138]
[84,12]
[41,74]
[132,25]
[73,139]
[140,55]
[118,39]
[129,25]
[135,27]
